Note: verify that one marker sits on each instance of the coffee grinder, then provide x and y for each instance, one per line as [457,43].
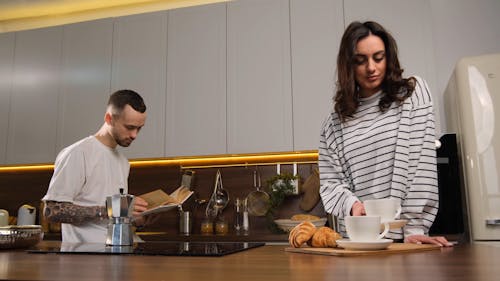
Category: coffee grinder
[120,208]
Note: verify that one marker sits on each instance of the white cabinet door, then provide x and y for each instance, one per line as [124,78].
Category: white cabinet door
[316,29]
[139,64]
[6,70]
[259,76]
[86,76]
[196,81]
[33,111]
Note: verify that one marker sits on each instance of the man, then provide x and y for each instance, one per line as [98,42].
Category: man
[88,171]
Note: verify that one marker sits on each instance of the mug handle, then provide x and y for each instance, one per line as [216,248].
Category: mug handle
[386,229]
[398,212]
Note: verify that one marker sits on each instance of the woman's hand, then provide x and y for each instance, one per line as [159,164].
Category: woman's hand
[358,209]
[424,239]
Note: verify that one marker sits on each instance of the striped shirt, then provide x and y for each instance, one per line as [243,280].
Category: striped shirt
[378,155]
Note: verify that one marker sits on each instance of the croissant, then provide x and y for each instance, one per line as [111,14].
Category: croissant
[324,237]
[301,233]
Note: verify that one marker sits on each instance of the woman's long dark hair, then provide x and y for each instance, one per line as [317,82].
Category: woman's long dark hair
[395,87]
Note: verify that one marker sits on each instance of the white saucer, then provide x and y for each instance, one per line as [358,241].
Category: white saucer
[354,245]
[395,224]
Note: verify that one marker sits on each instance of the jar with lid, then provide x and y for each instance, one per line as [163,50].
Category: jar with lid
[221,227]
[207,227]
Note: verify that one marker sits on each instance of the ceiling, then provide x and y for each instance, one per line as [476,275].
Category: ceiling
[26,14]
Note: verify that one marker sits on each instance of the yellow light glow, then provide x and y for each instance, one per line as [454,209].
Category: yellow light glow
[17,15]
[232,160]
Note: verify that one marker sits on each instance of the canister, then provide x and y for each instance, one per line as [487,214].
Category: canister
[185,222]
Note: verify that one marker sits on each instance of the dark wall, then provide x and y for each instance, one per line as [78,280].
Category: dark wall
[28,187]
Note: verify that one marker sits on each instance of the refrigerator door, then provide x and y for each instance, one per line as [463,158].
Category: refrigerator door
[473,97]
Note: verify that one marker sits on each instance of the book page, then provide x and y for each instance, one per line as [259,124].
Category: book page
[157,198]
[181,194]
[159,201]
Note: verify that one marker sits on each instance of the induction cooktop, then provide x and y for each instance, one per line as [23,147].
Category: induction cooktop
[214,249]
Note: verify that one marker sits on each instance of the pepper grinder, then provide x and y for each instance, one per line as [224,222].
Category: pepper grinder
[238,215]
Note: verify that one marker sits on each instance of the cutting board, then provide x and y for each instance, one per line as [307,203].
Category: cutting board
[392,249]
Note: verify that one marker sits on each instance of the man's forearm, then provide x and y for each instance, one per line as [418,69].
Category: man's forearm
[65,212]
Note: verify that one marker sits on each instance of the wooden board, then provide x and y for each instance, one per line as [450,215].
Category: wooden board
[392,249]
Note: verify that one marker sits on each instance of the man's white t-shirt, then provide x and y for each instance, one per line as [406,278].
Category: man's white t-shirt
[85,173]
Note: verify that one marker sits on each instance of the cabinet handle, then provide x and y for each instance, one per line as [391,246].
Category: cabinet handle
[493,222]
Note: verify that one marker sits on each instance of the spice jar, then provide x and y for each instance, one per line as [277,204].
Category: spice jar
[221,227]
[207,227]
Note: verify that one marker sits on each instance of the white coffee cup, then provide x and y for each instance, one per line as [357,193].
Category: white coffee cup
[388,208]
[4,217]
[365,228]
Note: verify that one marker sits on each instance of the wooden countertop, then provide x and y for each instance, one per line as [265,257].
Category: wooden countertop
[463,262]
[231,237]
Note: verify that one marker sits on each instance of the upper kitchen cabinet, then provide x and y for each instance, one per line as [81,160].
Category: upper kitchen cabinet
[139,64]
[196,81]
[34,97]
[410,24]
[6,70]
[259,76]
[85,83]
[316,29]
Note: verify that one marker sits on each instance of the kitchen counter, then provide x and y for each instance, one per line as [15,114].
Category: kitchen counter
[463,262]
[231,237]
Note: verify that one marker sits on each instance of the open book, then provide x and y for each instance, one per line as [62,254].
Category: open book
[159,201]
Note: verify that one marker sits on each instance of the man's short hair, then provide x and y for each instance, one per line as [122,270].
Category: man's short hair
[119,99]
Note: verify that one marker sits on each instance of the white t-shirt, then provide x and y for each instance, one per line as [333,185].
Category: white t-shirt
[85,173]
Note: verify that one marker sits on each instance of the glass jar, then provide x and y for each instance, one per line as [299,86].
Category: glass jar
[238,215]
[207,227]
[221,227]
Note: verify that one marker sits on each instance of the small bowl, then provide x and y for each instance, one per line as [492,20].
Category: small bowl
[288,224]
[20,236]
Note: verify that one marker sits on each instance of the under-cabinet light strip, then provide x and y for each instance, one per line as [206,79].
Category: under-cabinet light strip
[301,157]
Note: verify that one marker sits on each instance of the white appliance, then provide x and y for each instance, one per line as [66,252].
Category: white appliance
[472,105]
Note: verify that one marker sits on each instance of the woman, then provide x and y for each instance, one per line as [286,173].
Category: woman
[379,141]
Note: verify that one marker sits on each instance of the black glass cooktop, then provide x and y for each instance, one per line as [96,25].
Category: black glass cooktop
[150,248]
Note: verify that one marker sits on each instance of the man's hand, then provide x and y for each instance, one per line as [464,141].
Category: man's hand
[140,205]
[358,209]
[424,239]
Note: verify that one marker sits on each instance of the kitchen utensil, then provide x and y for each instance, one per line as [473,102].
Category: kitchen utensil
[120,208]
[365,228]
[20,236]
[388,209]
[219,199]
[185,222]
[380,244]
[258,201]
[26,215]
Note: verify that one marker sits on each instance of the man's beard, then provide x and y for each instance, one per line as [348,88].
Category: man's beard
[121,142]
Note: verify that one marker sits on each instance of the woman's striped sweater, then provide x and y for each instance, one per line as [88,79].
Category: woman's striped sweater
[383,154]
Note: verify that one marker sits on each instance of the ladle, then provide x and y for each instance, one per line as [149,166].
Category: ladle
[219,198]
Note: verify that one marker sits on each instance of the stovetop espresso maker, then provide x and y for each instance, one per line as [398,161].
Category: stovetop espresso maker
[120,208]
